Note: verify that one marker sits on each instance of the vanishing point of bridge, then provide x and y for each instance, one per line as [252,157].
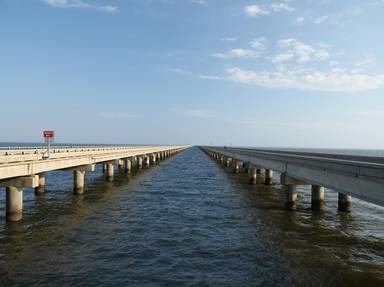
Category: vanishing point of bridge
[358,176]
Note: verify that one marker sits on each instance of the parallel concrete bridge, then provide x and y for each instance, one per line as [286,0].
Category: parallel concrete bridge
[358,176]
[25,168]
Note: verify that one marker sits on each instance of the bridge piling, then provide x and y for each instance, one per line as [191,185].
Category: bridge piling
[253,177]
[139,162]
[128,165]
[79,181]
[41,188]
[345,202]
[236,166]
[317,200]
[110,171]
[268,177]
[120,164]
[290,196]
[14,203]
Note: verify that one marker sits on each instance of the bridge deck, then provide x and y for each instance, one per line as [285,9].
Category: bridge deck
[24,162]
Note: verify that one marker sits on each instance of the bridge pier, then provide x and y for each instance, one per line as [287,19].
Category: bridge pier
[110,171]
[317,197]
[268,176]
[237,166]
[253,177]
[154,159]
[120,164]
[246,167]
[139,162]
[128,165]
[14,203]
[345,202]
[14,195]
[228,162]
[290,196]
[104,167]
[78,183]
[41,188]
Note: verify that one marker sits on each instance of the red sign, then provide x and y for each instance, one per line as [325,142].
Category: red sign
[48,134]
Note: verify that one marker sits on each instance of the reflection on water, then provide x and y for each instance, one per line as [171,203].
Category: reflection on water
[188,222]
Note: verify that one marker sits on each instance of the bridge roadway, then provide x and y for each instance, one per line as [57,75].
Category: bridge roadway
[26,167]
[358,176]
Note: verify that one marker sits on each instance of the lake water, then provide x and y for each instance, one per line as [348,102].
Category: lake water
[187,221]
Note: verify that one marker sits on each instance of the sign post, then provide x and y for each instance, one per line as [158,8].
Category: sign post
[48,137]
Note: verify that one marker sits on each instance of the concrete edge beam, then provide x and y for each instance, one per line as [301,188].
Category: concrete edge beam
[88,167]
[20,182]
[286,180]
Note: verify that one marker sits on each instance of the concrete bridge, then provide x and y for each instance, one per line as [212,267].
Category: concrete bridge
[358,176]
[25,168]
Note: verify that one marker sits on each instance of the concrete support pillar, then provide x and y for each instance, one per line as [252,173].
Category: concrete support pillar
[290,196]
[147,162]
[253,178]
[154,159]
[317,197]
[120,164]
[236,166]
[139,162]
[246,166]
[104,167]
[41,188]
[110,171]
[128,166]
[268,176]
[345,202]
[228,162]
[78,182]
[14,203]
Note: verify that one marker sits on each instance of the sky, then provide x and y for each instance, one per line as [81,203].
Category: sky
[284,73]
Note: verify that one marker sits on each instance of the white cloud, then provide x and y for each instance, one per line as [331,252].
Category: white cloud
[179,71]
[80,4]
[199,2]
[300,20]
[311,80]
[208,77]
[321,19]
[235,53]
[277,7]
[259,44]
[255,10]
[302,52]
[229,39]
[282,57]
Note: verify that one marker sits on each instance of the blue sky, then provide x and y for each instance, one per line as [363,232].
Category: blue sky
[296,73]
